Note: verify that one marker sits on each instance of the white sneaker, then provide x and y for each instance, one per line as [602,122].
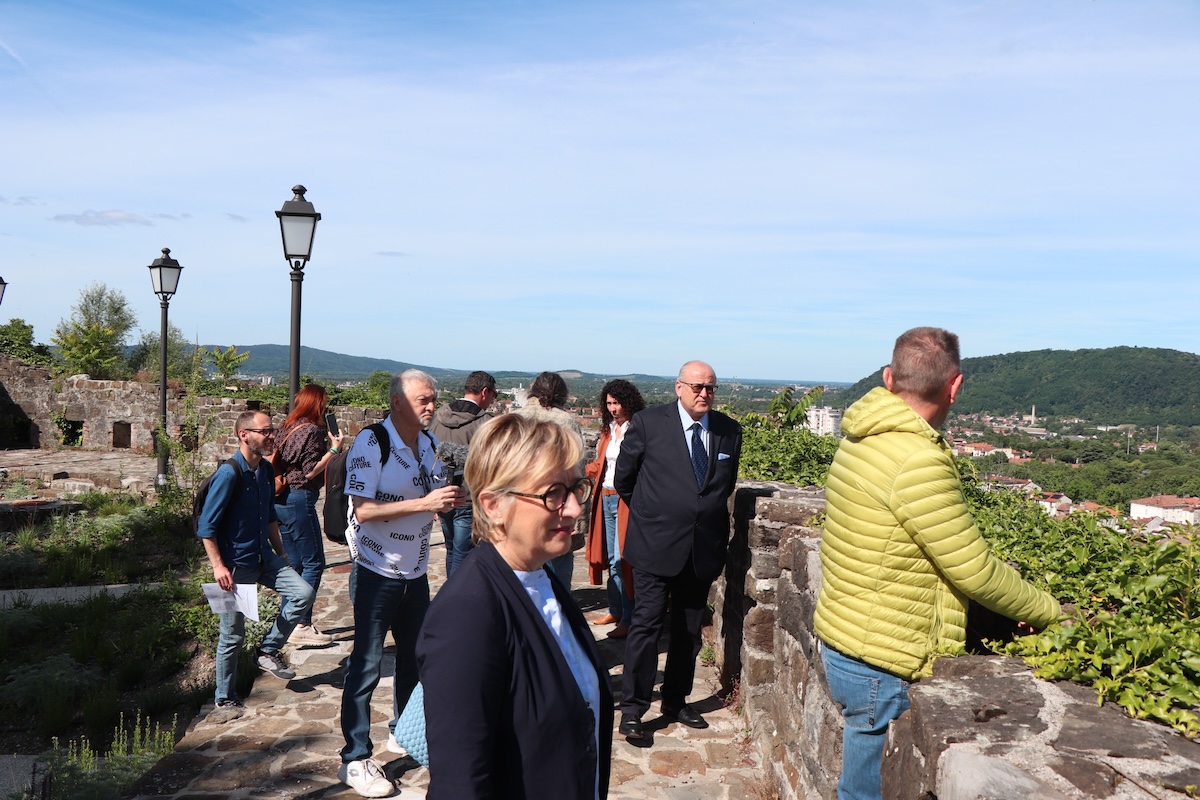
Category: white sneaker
[365,777]
[308,634]
[395,747]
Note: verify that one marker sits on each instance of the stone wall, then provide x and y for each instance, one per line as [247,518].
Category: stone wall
[981,727]
[108,414]
[114,415]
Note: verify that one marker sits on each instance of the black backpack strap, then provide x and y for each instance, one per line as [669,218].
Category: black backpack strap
[384,441]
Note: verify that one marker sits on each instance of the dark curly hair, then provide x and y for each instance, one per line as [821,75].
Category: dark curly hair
[624,393]
[550,390]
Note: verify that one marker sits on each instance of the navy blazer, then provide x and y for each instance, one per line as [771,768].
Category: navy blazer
[670,518]
[504,716]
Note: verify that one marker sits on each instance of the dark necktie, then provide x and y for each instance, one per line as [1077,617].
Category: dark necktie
[699,455]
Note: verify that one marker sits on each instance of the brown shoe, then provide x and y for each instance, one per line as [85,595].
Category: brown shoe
[607,619]
[619,632]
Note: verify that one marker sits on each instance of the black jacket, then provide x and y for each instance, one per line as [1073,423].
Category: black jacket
[670,519]
[505,718]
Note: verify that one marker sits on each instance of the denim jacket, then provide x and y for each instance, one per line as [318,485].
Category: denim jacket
[241,533]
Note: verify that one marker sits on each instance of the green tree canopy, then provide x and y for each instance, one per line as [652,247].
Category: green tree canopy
[16,340]
[226,362]
[93,338]
[181,355]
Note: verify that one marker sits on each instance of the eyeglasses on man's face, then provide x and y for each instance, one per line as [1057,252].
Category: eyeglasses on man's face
[700,388]
[555,497]
[263,431]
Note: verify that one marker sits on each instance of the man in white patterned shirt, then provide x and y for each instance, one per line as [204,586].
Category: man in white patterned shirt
[393,504]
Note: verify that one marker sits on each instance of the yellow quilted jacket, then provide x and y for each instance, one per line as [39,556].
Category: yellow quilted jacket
[900,553]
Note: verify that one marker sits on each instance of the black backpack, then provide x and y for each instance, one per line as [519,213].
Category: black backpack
[202,493]
[337,504]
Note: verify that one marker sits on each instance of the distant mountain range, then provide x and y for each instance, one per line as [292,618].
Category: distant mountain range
[1140,385]
[274,360]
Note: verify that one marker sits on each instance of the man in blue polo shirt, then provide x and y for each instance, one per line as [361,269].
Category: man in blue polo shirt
[240,533]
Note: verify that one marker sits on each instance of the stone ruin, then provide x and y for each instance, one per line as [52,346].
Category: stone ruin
[38,410]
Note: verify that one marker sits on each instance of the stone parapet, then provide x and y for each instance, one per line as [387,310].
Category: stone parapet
[981,727]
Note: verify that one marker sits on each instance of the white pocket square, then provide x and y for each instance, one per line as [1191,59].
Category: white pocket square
[722,456]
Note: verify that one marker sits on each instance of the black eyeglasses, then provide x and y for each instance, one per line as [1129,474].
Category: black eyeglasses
[698,388]
[263,431]
[555,497]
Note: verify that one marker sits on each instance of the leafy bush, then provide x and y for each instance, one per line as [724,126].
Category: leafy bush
[49,689]
[794,455]
[126,546]
[103,503]
[108,654]
[1136,599]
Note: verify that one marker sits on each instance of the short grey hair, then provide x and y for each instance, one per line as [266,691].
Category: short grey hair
[399,382]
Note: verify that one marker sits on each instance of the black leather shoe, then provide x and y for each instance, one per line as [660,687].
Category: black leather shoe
[631,727]
[685,714]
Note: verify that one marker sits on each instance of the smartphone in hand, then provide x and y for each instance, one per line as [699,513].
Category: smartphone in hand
[331,424]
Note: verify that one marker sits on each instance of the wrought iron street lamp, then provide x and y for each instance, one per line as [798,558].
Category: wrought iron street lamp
[164,277]
[298,224]
[3,286]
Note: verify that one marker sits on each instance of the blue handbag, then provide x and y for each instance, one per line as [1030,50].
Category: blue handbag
[410,728]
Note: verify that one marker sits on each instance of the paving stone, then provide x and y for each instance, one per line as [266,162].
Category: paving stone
[677,762]
[721,755]
[622,771]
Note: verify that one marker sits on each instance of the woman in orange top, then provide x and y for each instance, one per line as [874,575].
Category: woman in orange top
[619,401]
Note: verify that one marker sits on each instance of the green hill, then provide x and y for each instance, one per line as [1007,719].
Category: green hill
[1140,385]
[272,359]
[332,368]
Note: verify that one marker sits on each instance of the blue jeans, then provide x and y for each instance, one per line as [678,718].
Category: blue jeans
[274,573]
[300,530]
[563,566]
[620,604]
[456,529]
[380,605]
[870,698]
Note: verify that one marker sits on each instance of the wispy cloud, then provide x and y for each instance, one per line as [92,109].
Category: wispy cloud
[104,218]
[174,217]
[393,254]
[18,201]
[13,54]
[235,217]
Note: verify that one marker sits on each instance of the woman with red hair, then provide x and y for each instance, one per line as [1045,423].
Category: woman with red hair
[303,454]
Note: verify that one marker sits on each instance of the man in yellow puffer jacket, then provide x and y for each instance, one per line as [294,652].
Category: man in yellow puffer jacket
[900,553]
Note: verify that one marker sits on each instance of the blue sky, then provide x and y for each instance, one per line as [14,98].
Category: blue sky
[777,188]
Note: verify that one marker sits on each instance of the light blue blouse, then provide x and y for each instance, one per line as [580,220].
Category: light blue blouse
[537,586]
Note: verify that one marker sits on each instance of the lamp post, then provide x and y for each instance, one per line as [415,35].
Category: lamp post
[164,277]
[3,286]
[298,224]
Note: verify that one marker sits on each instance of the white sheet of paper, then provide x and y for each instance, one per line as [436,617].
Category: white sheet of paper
[243,598]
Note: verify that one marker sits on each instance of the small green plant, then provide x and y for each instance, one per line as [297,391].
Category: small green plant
[708,655]
[17,490]
[27,538]
[733,698]
[70,432]
[78,771]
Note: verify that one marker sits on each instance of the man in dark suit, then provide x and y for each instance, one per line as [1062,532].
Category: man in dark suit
[677,467]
